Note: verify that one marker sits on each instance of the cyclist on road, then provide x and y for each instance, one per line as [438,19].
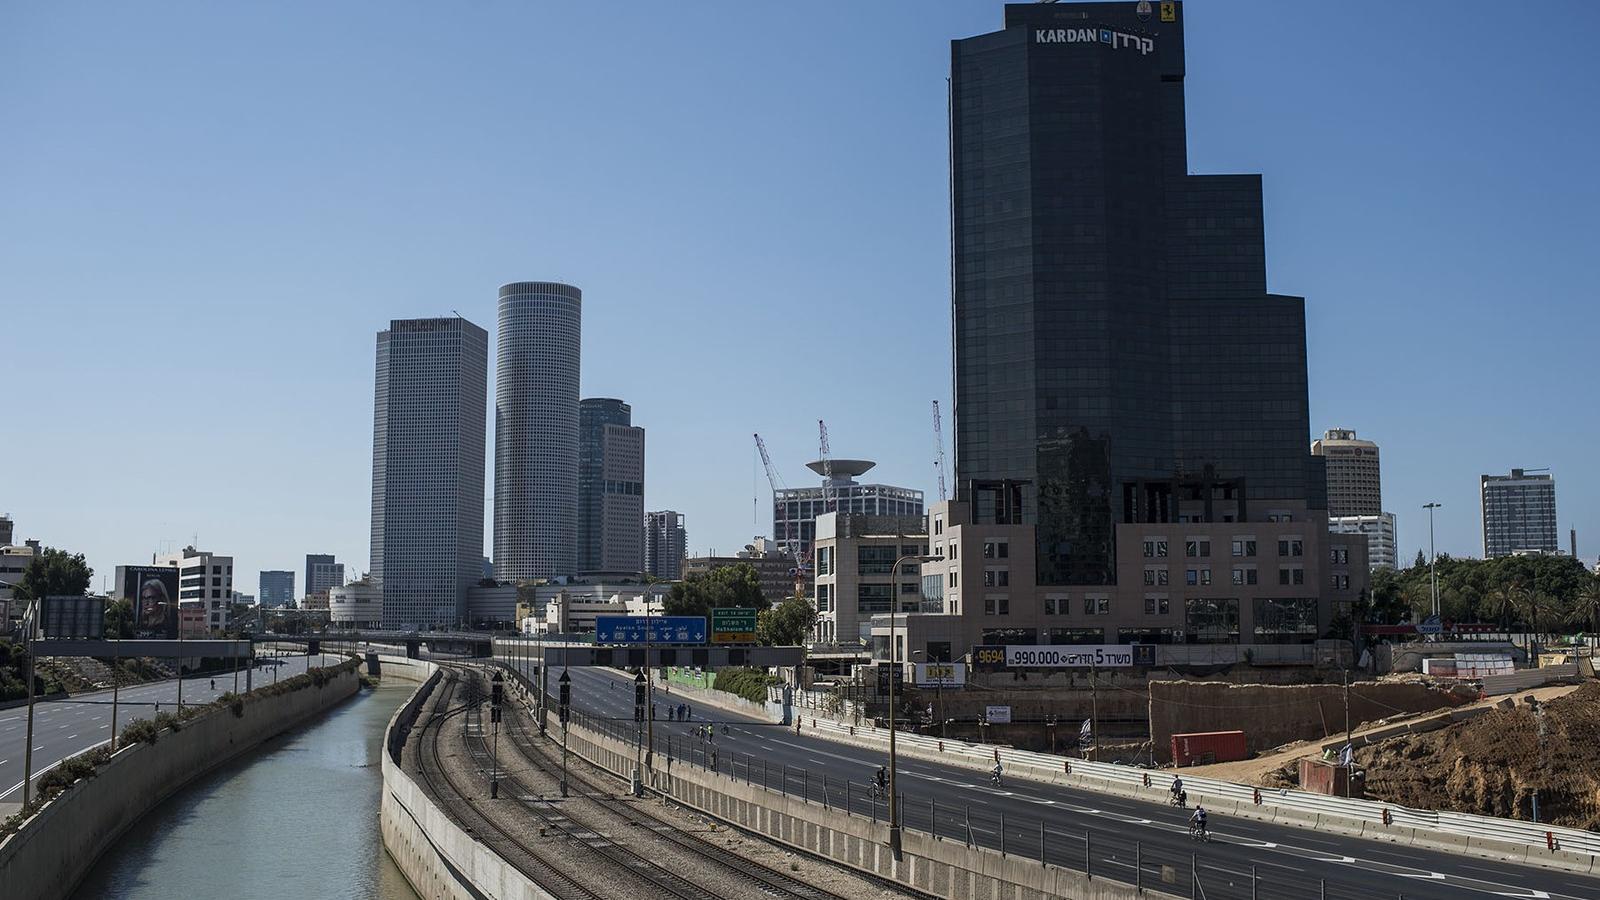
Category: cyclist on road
[880,780]
[1177,790]
[994,773]
[1197,821]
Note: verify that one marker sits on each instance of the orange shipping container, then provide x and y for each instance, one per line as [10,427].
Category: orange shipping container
[1204,747]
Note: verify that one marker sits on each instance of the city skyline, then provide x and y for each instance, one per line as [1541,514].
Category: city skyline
[1378,361]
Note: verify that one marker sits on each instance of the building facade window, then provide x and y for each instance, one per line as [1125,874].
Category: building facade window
[996,549]
[1155,548]
[1156,605]
[1195,549]
[996,577]
[1097,606]
[1291,547]
[997,606]
[1244,547]
[1056,606]
[1244,575]
[1211,620]
[1291,575]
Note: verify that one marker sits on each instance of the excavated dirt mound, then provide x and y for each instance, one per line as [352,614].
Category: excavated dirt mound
[1492,765]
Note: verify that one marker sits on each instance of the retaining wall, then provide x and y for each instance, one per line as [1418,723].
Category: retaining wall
[54,850]
[935,866]
[671,693]
[1273,715]
[437,857]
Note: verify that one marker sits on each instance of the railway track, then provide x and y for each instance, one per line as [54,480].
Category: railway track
[442,786]
[769,881]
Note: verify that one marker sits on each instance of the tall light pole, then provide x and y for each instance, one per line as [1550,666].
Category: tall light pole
[894,607]
[1433,557]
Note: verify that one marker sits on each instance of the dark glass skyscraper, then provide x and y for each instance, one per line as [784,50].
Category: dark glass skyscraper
[610,487]
[1117,355]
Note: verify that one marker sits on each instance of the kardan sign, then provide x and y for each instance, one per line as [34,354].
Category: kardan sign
[1079,656]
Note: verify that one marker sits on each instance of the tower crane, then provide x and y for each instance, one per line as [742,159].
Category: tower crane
[793,544]
[830,496]
[938,450]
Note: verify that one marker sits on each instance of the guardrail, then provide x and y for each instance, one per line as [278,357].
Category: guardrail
[1557,845]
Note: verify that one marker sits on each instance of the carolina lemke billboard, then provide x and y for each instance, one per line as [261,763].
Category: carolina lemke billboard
[154,593]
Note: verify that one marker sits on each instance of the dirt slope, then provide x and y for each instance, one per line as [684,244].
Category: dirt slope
[1493,764]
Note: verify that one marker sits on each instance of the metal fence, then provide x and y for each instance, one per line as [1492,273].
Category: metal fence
[1179,866]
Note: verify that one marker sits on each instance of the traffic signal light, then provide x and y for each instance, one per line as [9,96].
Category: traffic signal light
[638,697]
[565,696]
[497,689]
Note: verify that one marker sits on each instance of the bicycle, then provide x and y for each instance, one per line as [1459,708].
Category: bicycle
[1199,833]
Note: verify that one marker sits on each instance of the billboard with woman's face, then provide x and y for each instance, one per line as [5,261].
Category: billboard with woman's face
[153,591]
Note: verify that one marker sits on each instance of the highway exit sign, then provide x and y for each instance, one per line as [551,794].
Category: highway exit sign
[733,625]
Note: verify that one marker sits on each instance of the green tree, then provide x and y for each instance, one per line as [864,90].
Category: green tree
[55,573]
[786,625]
[119,619]
[1585,609]
[737,585]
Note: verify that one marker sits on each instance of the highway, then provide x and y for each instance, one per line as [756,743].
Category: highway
[63,728]
[1291,862]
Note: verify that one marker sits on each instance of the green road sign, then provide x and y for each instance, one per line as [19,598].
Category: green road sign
[733,625]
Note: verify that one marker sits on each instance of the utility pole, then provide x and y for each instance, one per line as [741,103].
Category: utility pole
[1433,557]
[1349,742]
[1094,708]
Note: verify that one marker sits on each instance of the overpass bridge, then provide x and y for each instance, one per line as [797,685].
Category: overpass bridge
[455,643]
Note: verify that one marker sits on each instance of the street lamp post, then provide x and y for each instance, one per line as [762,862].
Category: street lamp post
[894,607]
[1433,557]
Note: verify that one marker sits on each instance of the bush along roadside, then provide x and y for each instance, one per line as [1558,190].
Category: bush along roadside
[148,731]
[751,684]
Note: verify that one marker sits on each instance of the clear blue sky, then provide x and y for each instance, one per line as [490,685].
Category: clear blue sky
[208,209]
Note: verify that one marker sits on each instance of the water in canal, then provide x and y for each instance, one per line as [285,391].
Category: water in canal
[298,817]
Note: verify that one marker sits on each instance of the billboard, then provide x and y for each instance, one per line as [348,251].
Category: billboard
[1103,656]
[73,618]
[941,675]
[153,590]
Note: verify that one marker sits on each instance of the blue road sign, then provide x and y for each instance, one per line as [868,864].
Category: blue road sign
[651,630]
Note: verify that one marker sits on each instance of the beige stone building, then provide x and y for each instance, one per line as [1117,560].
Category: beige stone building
[854,577]
[1278,577]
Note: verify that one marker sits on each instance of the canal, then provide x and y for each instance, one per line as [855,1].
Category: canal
[298,817]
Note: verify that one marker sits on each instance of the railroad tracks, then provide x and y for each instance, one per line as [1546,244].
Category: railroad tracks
[442,785]
[642,876]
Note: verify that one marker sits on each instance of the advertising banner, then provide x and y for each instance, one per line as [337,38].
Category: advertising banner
[997,715]
[73,618]
[941,675]
[153,590]
[1079,656]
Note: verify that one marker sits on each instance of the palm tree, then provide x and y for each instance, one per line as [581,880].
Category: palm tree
[1585,610]
[1502,602]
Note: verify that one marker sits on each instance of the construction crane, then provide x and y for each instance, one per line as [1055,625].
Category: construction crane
[938,450]
[793,545]
[830,497]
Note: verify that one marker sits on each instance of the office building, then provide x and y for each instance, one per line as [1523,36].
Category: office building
[1519,513]
[795,510]
[205,579]
[322,573]
[854,577]
[1130,402]
[536,430]
[1382,552]
[355,605]
[610,488]
[492,605]
[7,531]
[429,428]
[1354,486]
[276,587]
[666,542]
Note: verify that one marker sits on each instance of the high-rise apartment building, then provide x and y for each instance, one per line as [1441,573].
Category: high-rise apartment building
[429,427]
[666,543]
[1382,542]
[536,430]
[322,573]
[1519,513]
[795,510]
[205,584]
[1130,402]
[1354,486]
[610,488]
[276,587]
